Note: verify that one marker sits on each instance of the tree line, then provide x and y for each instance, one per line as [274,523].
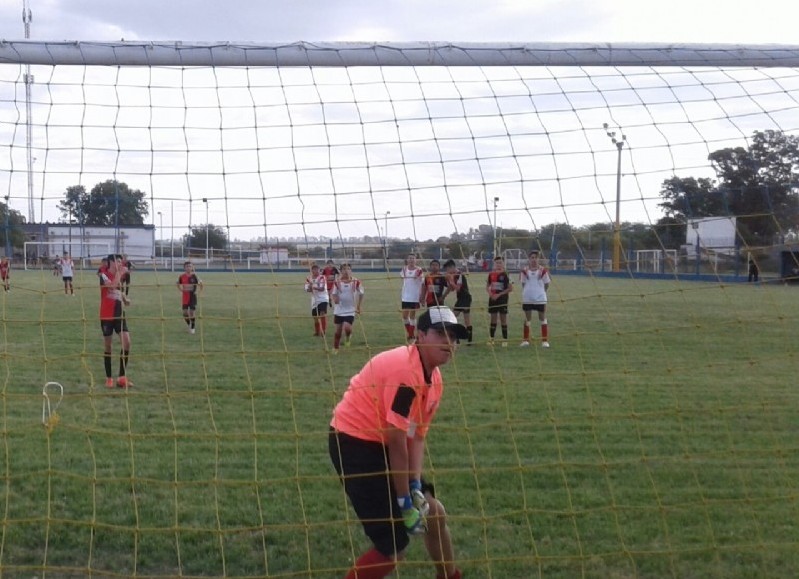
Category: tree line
[757,184]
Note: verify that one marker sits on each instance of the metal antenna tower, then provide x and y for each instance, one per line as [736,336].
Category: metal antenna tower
[27,18]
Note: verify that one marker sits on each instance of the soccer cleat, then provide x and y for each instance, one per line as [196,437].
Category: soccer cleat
[191,330]
[347,343]
[490,342]
[545,344]
[109,382]
[524,344]
[123,382]
[335,351]
[504,343]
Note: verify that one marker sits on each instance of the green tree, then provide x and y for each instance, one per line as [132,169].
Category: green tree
[10,221]
[109,203]
[757,185]
[196,238]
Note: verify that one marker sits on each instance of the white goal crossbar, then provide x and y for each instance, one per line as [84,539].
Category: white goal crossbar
[338,54]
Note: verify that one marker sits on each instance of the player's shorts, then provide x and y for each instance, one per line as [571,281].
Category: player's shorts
[344,320]
[536,307]
[67,278]
[191,304]
[499,306]
[114,326]
[363,470]
[410,305]
[126,278]
[319,310]
[463,305]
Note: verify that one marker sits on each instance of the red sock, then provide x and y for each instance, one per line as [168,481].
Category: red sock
[408,330]
[526,332]
[371,565]
[544,332]
[455,575]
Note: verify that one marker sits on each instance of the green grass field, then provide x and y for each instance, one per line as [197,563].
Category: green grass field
[656,438]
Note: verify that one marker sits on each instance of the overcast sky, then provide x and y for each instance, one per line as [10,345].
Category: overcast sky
[733,21]
[589,157]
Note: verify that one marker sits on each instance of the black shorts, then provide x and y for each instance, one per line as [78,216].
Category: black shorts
[67,278]
[499,306]
[410,305]
[344,320]
[463,305]
[363,469]
[536,307]
[319,310]
[115,326]
[192,303]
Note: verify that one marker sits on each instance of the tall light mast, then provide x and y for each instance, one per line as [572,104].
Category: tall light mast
[27,17]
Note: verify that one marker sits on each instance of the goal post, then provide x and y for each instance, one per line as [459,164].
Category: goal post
[636,445]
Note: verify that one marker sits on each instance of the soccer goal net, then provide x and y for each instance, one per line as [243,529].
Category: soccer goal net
[655,437]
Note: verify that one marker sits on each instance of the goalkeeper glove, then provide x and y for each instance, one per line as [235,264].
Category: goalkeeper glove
[414,521]
[418,498]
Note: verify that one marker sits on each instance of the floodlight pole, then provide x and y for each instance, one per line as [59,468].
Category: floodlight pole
[496,249]
[617,224]
[385,232]
[161,234]
[207,235]
[8,237]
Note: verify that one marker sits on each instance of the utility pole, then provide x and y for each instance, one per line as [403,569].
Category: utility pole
[27,18]
[617,225]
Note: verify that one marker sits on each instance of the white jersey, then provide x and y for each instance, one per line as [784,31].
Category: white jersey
[412,282]
[318,288]
[67,266]
[348,293]
[534,282]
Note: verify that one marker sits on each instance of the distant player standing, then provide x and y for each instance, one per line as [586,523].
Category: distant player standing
[189,284]
[457,283]
[412,285]
[535,281]
[5,273]
[347,296]
[112,319]
[316,285]
[435,283]
[498,287]
[67,272]
[126,278]
[377,444]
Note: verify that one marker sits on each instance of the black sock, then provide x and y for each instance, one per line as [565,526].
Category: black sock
[505,332]
[107,363]
[123,361]
[469,330]
[493,329]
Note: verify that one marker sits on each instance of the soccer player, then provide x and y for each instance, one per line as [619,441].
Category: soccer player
[112,320]
[189,284]
[457,283]
[126,278]
[412,284]
[347,296]
[5,273]
[57,266]
[67,271]
[535,283]
[434,285]
[498,287]
[377,445]
[316,285]
[331,272]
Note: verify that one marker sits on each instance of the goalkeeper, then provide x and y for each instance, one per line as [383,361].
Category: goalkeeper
[377,438]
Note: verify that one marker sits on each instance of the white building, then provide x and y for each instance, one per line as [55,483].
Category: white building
[89,241]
